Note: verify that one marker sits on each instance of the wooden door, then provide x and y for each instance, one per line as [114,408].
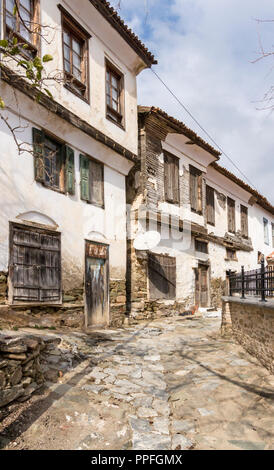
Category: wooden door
[35,265]
[162,277]
[96,284]
[201,286]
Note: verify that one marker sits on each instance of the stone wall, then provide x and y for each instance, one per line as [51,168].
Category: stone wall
[3,287]
[251,323]
[27,361]
[117,295]
[217,291]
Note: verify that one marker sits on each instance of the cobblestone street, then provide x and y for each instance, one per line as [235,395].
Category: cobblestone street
[169,384]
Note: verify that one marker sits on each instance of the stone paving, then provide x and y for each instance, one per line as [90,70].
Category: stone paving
[173,383]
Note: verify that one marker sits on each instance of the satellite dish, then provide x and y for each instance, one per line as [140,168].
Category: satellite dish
[147,241]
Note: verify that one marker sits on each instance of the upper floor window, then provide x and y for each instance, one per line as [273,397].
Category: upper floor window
[75,55]
[244,221]
[22,21]
[231,255]
[171,176]
[53,163]
[201,246]
[231,215]
[266,234]
[210,205]
[195,189]
[92,181]
[114,94]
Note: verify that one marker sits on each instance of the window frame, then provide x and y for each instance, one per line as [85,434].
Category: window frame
[89,200]
[197,174]
[110,68]
[229,258]
[80,35]
[171,160]
[232,228]
[198,243]
[35,43]
[211,190]
[244,213]
[266,230]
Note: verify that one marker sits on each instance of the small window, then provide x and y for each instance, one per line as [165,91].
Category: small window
[231,255]
[210,205]
[23,24]
[92,181]
[244,221]
[196,183]
[114,94]
[53,163]
[201,246]
[266,234]
[171,175]
[75,56]
[231,215]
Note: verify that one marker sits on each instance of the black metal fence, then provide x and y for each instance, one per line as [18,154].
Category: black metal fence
[258,282]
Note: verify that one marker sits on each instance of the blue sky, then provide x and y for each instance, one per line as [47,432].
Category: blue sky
[205,50]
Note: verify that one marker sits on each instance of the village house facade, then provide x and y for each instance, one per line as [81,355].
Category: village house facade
[210,221]
[63,202]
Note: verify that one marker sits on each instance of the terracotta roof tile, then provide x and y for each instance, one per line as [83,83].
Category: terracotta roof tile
[111,15]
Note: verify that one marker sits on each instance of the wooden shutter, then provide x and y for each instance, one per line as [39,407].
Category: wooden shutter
[96,181]
[195,189]
[171,175]
[38,138]
[162,276]
[244,221]
[84,175]
[210,205]
[176,194]
[69,165]
[35,265]
[168,179]
[231,215]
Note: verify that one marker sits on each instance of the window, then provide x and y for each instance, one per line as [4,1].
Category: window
[231,215]
[114,94]
[231,255]
[92,181]
[244,221]
[75,55]
[201,246]
[35,265]
[266,234]
[24,24]
[210,205]
[162,276]
[196,183]
[171,176]
[53,163]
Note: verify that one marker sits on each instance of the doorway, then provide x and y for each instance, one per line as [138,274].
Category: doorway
[96,284]
[202,286]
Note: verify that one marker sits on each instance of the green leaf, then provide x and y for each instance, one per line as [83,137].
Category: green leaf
[37,62]
[15,41]
[14,10]
[48,93]
[2,104]
[47,58]
[25,46]
[4,43]
[15,50]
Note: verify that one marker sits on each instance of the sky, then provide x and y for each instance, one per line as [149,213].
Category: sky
[206,51]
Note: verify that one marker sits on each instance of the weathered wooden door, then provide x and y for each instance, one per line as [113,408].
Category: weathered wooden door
[201,286]
[96,284]
[35,265]
[162,277]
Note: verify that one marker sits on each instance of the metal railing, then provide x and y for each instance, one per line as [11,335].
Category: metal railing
[257,283]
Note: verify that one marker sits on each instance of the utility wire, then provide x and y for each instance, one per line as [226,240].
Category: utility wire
[202,128]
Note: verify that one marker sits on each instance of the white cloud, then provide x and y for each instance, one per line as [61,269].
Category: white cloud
[204,50]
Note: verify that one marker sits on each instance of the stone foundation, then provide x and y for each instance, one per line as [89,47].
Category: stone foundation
[217,291]
[149,310]
[26,362]
[118,299]
[251,323]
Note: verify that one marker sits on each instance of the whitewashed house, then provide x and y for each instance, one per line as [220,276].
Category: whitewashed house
[209,220]
[63,207]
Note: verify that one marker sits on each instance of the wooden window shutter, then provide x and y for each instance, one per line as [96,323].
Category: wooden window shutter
[96,182]
[231,215]
[192,190]
[69,165]
[210,205]
[244,221]
[38,138]
[84,175]
[199,179]
[176,194]
[168,178]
